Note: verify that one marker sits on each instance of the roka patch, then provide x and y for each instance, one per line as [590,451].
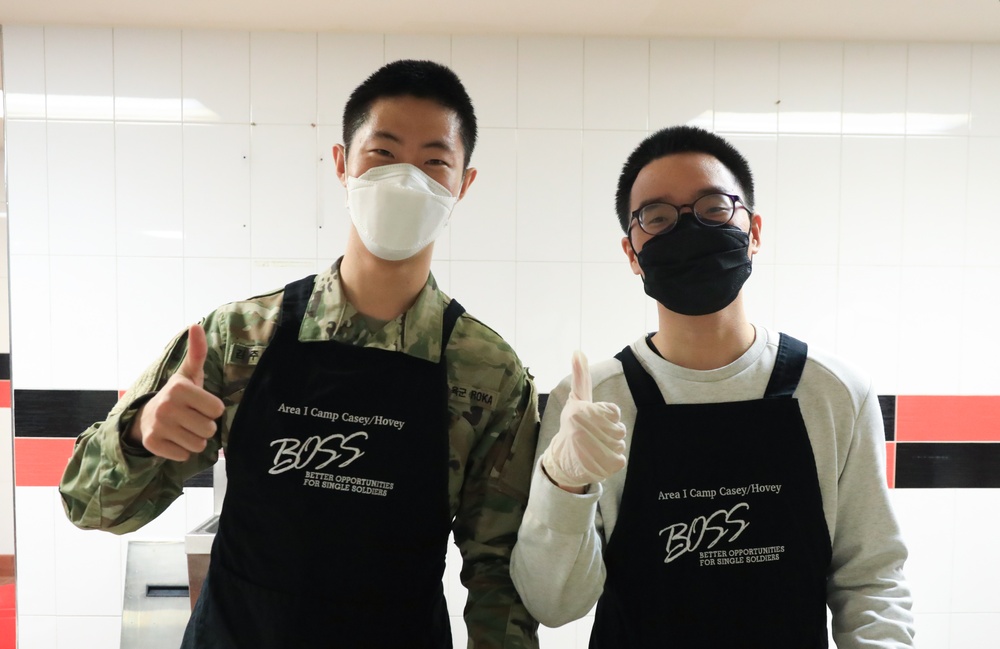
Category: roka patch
[474,396]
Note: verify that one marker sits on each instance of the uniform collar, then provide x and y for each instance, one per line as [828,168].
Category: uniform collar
[417,332]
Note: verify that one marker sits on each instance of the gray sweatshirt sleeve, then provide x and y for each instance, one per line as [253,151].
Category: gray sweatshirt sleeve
[866,590]
[557,564]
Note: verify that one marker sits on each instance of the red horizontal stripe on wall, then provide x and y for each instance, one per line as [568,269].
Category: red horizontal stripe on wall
[4,394]
[947,419]
[39,461]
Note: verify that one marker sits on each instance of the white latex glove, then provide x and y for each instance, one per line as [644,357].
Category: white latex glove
[590,444]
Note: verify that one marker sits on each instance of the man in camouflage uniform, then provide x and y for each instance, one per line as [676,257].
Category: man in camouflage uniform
[364,418]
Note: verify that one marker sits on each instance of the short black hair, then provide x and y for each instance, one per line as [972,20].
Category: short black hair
[421,79]
[680,139]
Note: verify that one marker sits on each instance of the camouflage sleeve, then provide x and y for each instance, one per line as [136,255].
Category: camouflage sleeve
[494,495]
[111,486]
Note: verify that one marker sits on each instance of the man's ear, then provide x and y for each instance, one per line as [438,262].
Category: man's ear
[340,161]
[467,178]
[633,261]
[755,225]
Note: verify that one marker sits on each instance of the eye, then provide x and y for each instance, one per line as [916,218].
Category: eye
[381,152]
[438,163]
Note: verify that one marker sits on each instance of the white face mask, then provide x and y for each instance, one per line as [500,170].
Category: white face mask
[398,210]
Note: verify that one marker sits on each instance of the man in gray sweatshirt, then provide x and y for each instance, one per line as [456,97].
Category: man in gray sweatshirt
[716,484]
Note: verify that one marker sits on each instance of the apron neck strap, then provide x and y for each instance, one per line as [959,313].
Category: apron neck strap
[787,368]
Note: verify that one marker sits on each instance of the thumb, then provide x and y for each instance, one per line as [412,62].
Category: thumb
[582,389]
[193,366]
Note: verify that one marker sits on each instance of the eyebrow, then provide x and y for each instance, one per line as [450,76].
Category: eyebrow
[434,144]
[704,191]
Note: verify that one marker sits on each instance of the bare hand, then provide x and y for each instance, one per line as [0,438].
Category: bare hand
[180,419]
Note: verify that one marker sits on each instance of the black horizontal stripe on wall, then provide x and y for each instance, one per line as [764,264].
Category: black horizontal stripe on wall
[888,405]
[886,402]
[951,465]
[59,413]
[4,367]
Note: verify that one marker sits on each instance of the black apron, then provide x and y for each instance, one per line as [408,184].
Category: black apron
[335,524]
[721,541]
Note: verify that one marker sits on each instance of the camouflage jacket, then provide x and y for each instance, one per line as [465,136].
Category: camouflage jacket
[494,425]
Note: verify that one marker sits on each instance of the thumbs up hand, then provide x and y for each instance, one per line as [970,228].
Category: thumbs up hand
[590,444]
[180,419]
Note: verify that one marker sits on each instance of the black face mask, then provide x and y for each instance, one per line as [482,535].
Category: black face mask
[695,269]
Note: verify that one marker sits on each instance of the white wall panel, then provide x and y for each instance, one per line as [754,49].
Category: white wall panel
[934,201]
[930,312]
[150,313]
[24,71]
[484,223]
[84,301]
[488,291]
[548,195]
[283,216]
[805,303]
[216,189]
[283,78]
[543,62]
[871,214]
[984,169]
[985,100]
[211,282]
[612,307]
[979,343]
[868,321]
[681,83]
[34,511]
[616,83]
[875,88]
[810,83]
[808,200]
[216,76]
[81,184]
[604,154]
[27,187]
[30,321]
[937,89]
[148,75]
[548,318]
[746,86]
[148,189]
[79,73]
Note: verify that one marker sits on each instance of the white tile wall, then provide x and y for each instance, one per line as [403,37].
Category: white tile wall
[541,61]
[149,200]
[681,83]
[875,83]
[148,75]
[937,89]
[810,83]
[79,73]
[216,76]
[152,196]
[283,78]
[24,71]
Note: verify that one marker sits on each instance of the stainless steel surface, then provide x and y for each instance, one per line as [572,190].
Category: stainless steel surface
[198,542]
[156,607]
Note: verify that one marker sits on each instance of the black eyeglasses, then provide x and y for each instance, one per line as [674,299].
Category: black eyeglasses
[712,210]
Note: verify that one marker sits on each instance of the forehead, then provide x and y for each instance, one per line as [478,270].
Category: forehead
[411,119]
[682,177]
